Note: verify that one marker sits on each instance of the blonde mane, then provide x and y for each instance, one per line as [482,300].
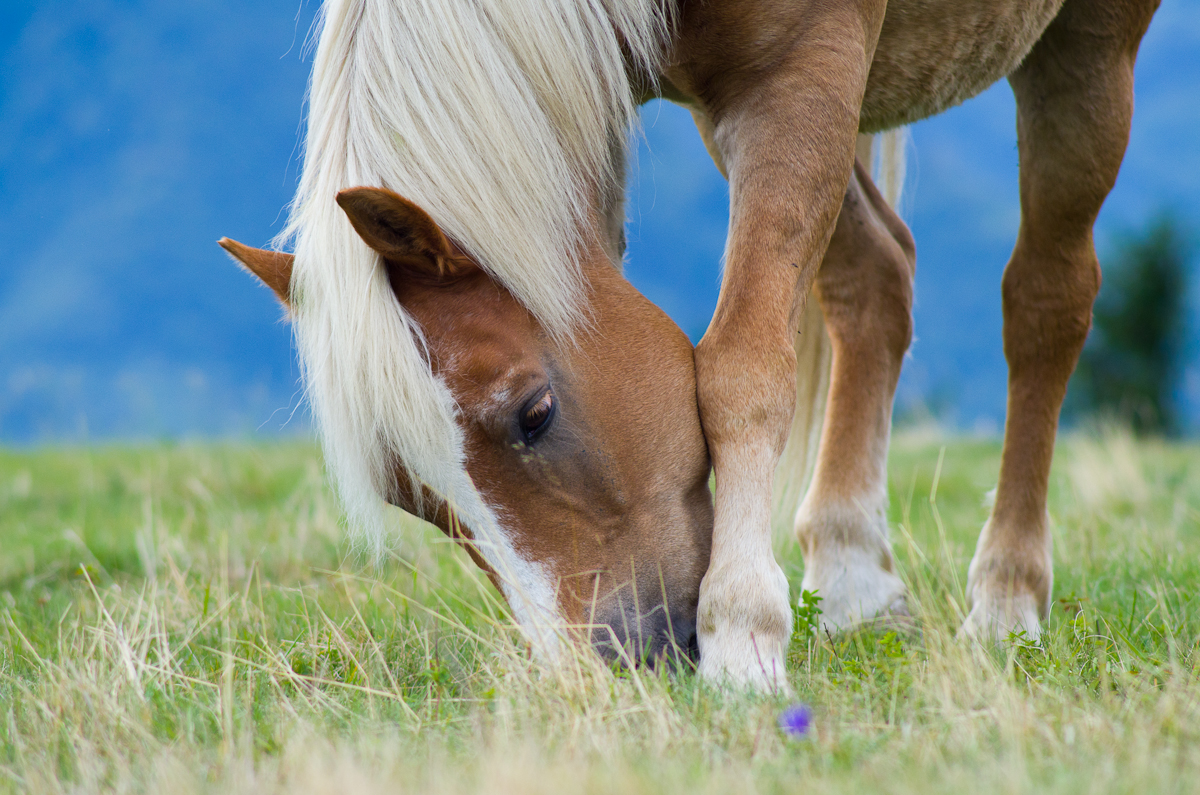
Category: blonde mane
[503,119]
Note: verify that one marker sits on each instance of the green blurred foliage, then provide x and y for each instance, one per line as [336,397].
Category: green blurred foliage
[1132,363]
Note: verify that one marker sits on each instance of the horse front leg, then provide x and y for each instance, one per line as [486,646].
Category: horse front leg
[1074,103]
[784,99]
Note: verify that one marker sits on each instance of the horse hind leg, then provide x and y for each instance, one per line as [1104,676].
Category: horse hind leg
[864,287]
[1074,103]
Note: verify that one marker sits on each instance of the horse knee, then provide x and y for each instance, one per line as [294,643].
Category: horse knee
[1048,306]
[746,393]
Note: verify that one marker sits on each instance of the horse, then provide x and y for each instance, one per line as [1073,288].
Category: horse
[473,355]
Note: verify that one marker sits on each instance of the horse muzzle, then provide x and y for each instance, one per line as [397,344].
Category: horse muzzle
[658,636]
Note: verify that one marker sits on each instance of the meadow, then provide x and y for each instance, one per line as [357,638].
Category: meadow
[191,618]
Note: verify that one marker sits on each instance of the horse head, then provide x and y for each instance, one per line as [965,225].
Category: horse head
[589,450]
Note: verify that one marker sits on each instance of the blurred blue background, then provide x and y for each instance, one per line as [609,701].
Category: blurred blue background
[134,134]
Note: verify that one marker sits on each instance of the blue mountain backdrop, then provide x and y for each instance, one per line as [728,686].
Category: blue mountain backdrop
[133,134]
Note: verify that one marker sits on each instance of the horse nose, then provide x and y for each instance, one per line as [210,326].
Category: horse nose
[653,638]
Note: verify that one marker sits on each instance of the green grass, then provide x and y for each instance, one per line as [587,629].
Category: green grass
[190,619]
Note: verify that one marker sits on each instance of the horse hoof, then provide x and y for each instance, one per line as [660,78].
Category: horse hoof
[998,620]
[896,617]
[758,675]
[856,595]
[744,623]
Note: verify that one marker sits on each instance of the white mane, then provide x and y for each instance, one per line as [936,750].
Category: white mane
[499,118]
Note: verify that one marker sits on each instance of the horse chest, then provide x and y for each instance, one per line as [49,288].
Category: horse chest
[933,54]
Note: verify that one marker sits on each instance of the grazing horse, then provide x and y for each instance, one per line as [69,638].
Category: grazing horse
[472,353]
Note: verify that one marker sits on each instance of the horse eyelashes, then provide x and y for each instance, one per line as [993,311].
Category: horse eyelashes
[536,417]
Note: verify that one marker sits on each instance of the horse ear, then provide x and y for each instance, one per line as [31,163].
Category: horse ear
[273,268]
[402,233]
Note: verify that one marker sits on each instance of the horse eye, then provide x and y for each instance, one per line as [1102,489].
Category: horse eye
[536,416]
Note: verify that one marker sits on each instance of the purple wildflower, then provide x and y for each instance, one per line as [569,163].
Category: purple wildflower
[796,720]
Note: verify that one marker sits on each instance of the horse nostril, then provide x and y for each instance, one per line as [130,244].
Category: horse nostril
[685,645]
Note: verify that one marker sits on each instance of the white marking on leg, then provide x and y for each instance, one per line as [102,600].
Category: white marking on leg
[744,618]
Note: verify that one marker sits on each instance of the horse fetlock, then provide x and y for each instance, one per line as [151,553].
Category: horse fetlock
[1008,587]
[824,526]
[856,588]
[848,563]
[744,624]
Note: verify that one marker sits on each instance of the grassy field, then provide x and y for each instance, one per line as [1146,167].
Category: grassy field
[189,619]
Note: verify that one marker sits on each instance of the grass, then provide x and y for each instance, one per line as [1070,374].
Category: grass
[188,619]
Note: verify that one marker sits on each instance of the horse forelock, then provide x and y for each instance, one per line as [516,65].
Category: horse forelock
[498,118]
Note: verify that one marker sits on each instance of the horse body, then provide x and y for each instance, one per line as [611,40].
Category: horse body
[934,54]
[434,335]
